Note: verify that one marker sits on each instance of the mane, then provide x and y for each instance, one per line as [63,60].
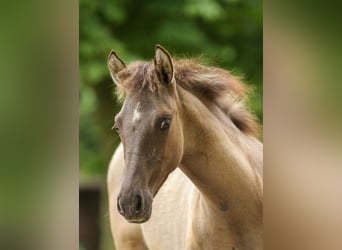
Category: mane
[208,83]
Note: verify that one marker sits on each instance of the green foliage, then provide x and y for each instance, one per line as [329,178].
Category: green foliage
[227,32]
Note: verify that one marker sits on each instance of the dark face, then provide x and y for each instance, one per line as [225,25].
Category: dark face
[150,130]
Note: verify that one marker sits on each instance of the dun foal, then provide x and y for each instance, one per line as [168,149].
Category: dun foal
[189,146]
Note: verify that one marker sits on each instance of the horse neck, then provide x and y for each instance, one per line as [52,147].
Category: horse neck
[219,159]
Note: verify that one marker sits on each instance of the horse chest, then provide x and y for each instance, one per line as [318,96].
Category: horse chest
[179,221]
[167,227]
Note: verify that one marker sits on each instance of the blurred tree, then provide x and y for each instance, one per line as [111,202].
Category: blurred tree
[227,32]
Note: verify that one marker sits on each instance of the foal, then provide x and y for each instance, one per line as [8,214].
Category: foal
[189,146]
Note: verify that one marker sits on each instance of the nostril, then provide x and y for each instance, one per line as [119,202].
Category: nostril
[138,203]
[119,206]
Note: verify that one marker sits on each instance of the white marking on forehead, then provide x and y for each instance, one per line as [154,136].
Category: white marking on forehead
[137,114]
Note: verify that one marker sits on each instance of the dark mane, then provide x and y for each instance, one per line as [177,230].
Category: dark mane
[214,84]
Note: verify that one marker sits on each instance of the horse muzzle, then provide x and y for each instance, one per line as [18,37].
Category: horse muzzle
[135,208]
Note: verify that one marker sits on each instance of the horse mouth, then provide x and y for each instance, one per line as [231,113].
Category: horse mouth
[138,221]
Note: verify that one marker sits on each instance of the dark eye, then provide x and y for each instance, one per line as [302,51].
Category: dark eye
[116,127]
[165,124]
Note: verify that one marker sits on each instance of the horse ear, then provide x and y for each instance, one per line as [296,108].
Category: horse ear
[115,65]
[163,65]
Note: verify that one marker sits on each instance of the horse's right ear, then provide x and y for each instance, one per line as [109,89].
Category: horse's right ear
[115,65]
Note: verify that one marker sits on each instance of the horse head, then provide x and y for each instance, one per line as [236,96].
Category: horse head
[150,129]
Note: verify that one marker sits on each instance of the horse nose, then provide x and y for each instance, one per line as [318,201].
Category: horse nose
[131,207]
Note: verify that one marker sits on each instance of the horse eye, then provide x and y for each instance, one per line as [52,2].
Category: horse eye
[165,124]
[116,127]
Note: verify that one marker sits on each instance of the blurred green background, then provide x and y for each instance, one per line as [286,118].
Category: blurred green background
[226,32]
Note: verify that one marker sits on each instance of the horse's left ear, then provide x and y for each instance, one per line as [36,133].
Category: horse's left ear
[163,65]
